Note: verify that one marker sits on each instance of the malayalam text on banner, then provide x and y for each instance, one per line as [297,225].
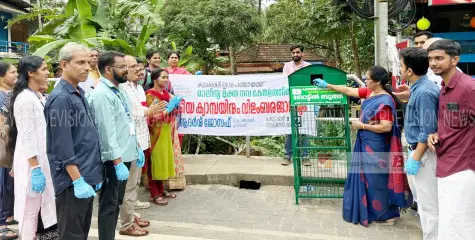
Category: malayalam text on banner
[243,105]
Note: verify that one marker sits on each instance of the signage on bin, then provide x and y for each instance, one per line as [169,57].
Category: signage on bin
[315,95]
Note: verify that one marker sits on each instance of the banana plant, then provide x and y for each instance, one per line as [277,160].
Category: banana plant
[76,28]
[97,23]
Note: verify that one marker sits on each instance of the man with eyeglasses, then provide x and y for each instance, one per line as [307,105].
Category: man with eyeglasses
[139,115]
[113,115]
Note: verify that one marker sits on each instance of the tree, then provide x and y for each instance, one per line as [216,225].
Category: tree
[210,25]
[323,27]
[101,23]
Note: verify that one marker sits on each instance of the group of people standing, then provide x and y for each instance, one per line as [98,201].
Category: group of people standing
[439,126]
[107,120]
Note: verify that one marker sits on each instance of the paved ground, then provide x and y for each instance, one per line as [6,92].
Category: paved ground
[225,212]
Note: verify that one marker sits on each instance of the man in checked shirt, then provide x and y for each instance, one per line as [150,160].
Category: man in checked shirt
[139,115]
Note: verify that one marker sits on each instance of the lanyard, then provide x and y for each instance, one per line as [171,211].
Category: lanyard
[39,98]
[124,104]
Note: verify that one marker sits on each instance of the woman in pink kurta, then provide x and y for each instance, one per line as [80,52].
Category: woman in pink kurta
[179,181]
[34,192]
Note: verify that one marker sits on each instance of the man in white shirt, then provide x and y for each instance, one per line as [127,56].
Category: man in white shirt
[289,68]
[139,115]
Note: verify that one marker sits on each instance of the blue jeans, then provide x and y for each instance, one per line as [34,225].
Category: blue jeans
[6,196]
[288,145]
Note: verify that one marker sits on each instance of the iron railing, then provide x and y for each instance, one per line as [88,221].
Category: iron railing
[14,47]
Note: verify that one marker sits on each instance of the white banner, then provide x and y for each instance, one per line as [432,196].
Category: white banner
[243,105]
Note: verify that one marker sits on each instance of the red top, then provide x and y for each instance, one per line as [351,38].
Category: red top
[456,129]
[384,114]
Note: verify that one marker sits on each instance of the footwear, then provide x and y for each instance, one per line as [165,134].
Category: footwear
[159,201]
[306,162]
[134,231]
[414,206]
[287,161]
[141,205]
[7,233]
[389,222]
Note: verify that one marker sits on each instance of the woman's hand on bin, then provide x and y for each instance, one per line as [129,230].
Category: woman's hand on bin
[320,83]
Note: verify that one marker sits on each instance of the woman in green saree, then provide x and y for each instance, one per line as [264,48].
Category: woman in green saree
[161,164]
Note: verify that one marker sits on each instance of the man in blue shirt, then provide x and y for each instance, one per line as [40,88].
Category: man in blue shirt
[73,146]
[420,121]
[116,128]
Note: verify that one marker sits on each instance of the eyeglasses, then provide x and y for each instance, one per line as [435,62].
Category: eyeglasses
[121,66]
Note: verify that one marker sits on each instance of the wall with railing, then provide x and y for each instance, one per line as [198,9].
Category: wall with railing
[13,47]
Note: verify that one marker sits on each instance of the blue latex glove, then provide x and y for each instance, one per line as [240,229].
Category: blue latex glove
[38,180]
[199,73]
[176,101]
[412,166]
[173,103]
[141,161]
[320,83]
[98,187]
[82,189]
[121,172]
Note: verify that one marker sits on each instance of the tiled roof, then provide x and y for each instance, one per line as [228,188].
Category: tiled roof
[272,53]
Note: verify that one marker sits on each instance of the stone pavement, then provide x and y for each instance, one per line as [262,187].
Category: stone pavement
[225,212]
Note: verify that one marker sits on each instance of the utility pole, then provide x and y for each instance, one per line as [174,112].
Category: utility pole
[260,7]
[381,32]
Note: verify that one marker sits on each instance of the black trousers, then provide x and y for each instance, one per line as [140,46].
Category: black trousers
[74,215]
[110,198]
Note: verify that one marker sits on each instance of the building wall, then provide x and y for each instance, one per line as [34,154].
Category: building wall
[4,17]
[20,32]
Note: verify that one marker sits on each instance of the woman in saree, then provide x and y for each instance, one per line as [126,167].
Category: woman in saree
[376,186]
[179,181]
[173,68]
[165,150]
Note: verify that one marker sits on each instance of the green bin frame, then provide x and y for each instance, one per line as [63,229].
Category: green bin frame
[300,84]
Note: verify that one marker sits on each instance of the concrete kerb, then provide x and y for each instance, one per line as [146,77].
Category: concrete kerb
[231,169]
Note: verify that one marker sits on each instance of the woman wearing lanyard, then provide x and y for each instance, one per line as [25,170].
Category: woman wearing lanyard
[34,193]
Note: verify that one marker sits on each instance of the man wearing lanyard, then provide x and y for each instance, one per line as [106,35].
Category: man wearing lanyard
[118,142]
[289,68]
[139,115]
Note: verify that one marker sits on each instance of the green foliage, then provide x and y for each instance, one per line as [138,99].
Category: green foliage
[209,25]
[317,24]
[269,146]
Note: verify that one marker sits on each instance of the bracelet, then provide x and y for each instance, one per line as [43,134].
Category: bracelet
[363,126]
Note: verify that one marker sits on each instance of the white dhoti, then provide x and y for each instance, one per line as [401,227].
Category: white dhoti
[457,206]
[425,183]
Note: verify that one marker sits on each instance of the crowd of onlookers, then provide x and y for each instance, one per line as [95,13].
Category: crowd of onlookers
[109,122]
[438,121]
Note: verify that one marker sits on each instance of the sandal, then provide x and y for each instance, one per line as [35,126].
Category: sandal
[159,201]
[12,222]
[141,222]
[168,195]
[134,231]
[5,233]
[141,205]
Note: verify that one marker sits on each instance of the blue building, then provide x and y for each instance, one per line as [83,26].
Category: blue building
[452,21]
[13,40]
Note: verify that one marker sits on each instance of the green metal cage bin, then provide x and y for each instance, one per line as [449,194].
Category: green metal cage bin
[321,137]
